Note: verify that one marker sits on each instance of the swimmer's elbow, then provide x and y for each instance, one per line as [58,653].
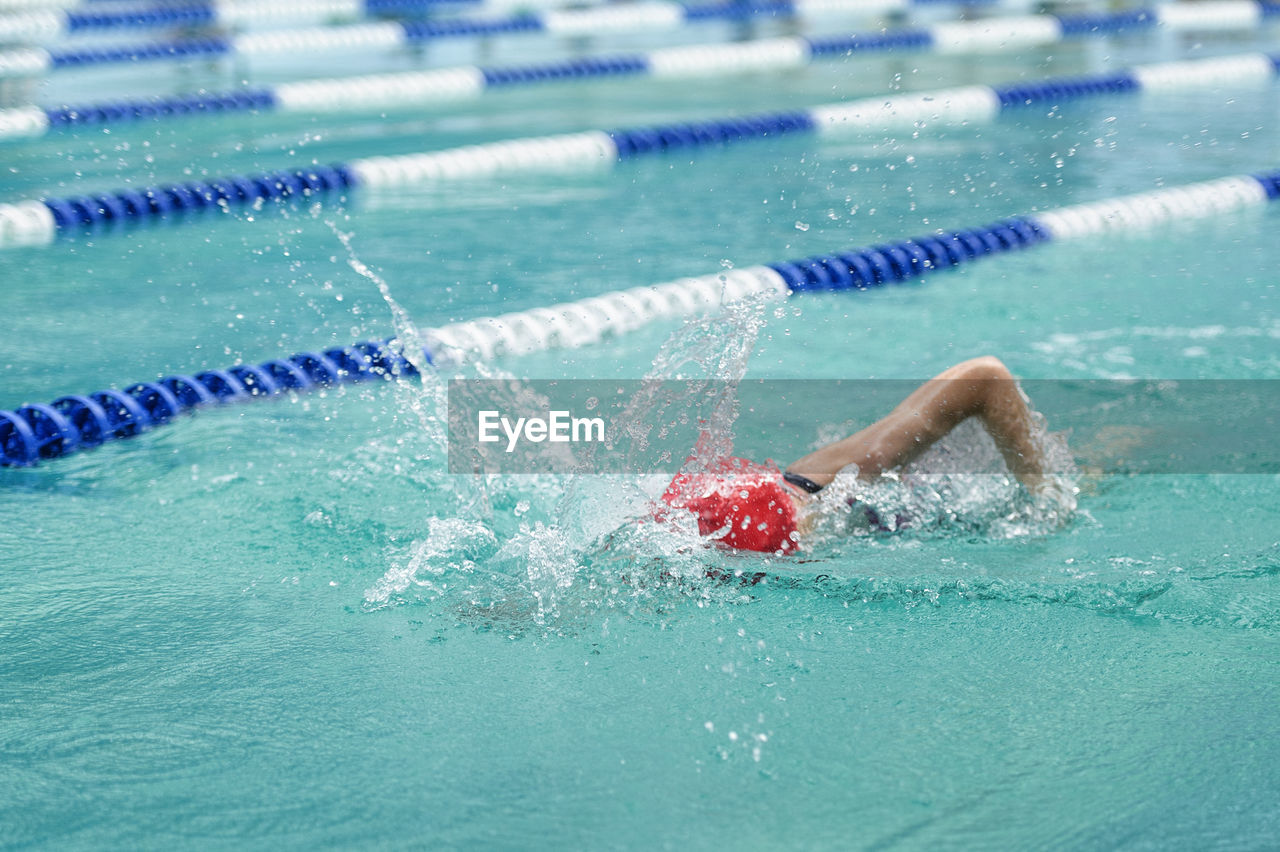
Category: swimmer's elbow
[987,367]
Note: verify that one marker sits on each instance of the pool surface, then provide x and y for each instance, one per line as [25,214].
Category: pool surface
[285,624]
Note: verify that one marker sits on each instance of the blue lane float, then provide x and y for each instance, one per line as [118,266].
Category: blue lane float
[42,25]
[70,423]
[35,432]
[997,33]
[383,91]
[175,200]
[246,14]
[50,24]
[41,222]
[46,25]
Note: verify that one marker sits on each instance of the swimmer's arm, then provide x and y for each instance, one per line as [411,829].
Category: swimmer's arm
[982,388]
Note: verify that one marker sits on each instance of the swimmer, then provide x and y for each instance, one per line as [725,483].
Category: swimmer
[762,506]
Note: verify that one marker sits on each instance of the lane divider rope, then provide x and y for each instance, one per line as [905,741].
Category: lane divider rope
[7,6]
[408,88]
[997,33]
[31,223]
[43,25]
[35,432]
[612,19]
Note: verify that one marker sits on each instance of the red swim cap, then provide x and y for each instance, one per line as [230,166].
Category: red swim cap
[747,498]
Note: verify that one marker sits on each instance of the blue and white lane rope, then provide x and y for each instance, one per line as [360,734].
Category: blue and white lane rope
[411,88]
[70,423]
[612,19]
[40,222]
[8,6]
[1000,33]
[45,25]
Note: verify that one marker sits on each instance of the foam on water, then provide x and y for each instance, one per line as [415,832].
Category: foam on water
[539,543]
[960,486]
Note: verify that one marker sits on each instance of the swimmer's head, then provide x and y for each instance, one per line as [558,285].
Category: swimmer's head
[744,505]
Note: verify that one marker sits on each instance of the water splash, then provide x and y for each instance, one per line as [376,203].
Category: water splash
[709,356]
[447,557]
[427,396]
[408,342]
[550,550]
[569,545]
[598,549]
[959,486]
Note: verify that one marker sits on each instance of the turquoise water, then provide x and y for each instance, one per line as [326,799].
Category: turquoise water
[284,624]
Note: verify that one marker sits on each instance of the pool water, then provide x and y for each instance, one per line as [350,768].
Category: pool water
[286,624]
